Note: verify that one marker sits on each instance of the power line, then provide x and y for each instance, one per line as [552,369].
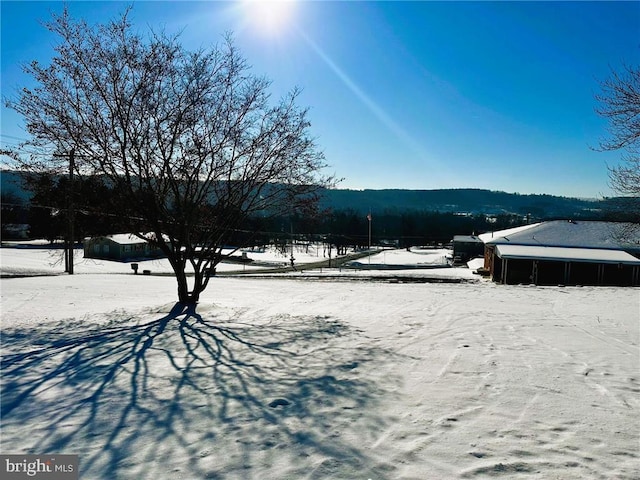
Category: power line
[12,137]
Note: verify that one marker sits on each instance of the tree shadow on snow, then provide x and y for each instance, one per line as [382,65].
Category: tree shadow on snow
[196,395]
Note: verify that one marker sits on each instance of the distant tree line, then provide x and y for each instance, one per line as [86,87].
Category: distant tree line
[466,200]
[46,213]
[341,228]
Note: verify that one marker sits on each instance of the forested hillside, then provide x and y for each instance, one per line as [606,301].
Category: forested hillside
[471,201]
[399,217]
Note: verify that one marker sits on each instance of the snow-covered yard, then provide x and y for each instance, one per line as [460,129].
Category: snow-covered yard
[311,378]
[36,258]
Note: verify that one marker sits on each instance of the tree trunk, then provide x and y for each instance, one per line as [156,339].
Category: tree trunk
[185,296]
[188,298]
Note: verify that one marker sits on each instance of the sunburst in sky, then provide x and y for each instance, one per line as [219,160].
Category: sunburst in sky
[418,95]
[268,18]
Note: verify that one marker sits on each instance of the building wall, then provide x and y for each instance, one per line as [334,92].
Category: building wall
[101,248]
[624,275]
[106,249]
[465,251]
[548,272]
[517,271]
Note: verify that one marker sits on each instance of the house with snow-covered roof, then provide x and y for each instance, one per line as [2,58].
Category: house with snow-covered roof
[564,252]
[123,247]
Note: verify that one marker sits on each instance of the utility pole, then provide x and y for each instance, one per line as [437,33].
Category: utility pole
[71,212]
[292,259]
[68,243]
[369,218]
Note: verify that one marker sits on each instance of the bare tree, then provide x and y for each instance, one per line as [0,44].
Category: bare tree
[187,140]
[619,103]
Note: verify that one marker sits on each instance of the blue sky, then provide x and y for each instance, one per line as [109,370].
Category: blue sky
[416,95]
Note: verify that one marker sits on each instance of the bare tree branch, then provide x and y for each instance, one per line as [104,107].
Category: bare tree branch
[619,103]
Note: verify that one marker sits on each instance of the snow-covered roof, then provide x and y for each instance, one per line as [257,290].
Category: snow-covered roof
[490,237]
[467,239]
[130,238]
[125,238]
[563,233]
[565,254]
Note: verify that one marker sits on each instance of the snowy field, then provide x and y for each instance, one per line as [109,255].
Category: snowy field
[36,258]
[311,378]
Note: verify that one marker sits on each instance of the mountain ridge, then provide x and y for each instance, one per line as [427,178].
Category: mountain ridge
[471,201]
[459,200]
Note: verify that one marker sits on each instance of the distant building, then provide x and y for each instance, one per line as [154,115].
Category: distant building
[123,247]
[564,253]
[466,247]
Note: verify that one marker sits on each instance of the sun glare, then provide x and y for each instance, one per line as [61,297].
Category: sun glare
[268,17]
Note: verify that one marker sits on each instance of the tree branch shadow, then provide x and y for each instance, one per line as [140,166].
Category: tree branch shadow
[197,395]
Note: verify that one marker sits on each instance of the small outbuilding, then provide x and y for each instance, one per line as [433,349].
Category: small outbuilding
[466,247]
[564,253]
[123,247]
